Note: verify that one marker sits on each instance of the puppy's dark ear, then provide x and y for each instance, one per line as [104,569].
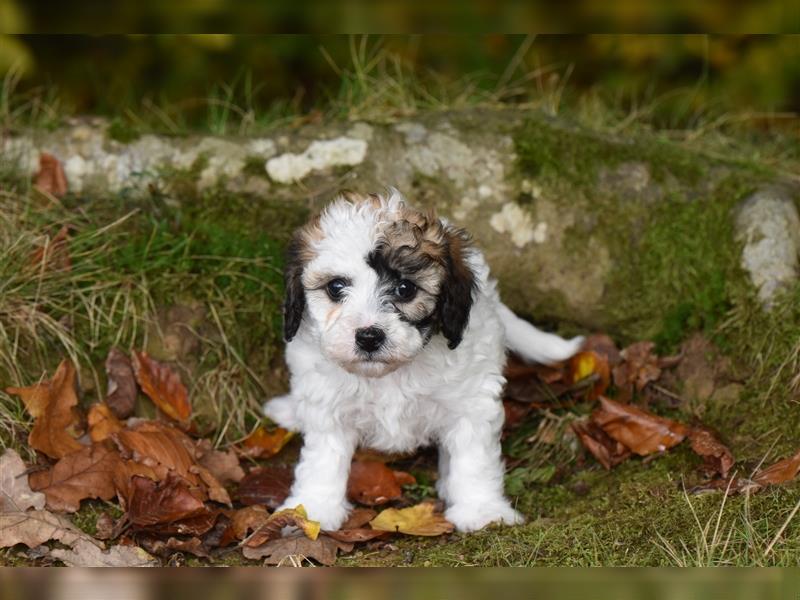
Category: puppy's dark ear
[455,297]
[294,304]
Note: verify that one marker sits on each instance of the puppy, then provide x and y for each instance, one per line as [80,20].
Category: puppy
[396,338]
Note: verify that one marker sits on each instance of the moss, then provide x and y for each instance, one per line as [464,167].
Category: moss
[578,155]
[255,167]
[122,131]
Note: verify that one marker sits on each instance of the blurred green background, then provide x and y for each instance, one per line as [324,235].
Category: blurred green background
[296,74]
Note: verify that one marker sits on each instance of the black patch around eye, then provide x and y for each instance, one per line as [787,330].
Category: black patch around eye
[335,288]
[405,290]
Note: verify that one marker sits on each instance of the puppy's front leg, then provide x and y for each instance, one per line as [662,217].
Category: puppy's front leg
[320,478]
[472,481]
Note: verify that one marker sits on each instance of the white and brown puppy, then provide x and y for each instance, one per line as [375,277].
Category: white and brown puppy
[397,338]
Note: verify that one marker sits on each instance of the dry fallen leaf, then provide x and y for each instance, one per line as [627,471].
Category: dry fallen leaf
[717,456]
[50,178]
[362,534]
[608,451]
[272,527]
[216,491]
[52,403]
[54,254]
[359,517]
[88,473]
[323,549]
[102,422]
[780,472]
[85,554]
[168,547]
[35,527]
[224,466]
[163,386]
[121,396]
[154,503]
[642,432]
[585,364]
[15,493]
[160,447]
[372,482]
[415,520]
[640,367]
[603,345]
[266,485]
[243,522]
[263,443]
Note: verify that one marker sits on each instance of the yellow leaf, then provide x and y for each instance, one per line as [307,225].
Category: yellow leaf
[415,520]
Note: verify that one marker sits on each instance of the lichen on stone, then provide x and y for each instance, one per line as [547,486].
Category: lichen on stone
[320,154]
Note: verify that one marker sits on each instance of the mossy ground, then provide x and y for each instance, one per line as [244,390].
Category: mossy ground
[133,255]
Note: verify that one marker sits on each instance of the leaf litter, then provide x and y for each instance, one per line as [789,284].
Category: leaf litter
[178,494]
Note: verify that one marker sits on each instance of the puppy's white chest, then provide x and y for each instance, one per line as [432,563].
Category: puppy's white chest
[393,419]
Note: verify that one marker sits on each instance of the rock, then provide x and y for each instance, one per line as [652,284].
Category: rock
[768,225]
[576,224]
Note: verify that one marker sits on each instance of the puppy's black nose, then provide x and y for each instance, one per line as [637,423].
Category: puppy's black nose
[370,339]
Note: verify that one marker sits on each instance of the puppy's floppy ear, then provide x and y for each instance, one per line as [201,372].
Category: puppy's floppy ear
[455,296]
[294,304]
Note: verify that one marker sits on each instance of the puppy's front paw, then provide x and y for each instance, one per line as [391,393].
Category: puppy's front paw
[471,517]
[329,516]
[283,411]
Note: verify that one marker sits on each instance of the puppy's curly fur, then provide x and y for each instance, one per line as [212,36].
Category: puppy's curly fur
[397,338]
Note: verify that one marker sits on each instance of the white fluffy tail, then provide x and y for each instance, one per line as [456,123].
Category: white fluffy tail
[534,345]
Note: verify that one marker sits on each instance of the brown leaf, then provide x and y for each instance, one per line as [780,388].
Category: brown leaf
[272,527]
[414,520]
[640,366]
[244,521]
[197,525]
[359,517]
[52,403]
[323,550]
[361,534]
[224,466]
[88,473]
[643,432]
[163,386]
[266,485]
[155,503]
[35,527]
[263,443]
[372,482]
[157,445]
[603,345]
[216,491]
[85,554]
[780,472]
[608,451]
[121,396]
[15,493]
[50,178]
[54,254]
[585,364]
[168,547]
[717,456]
[102,422]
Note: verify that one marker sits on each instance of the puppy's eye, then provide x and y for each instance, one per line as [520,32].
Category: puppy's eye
[405,290]
[335,288]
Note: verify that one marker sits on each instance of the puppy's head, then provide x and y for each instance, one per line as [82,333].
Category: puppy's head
[373,280]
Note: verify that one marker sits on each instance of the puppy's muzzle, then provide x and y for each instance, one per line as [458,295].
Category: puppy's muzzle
[370,339]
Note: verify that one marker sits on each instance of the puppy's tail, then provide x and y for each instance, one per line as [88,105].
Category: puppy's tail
[532,344]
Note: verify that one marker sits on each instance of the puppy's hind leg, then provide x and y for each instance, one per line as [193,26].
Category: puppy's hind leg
[283,411]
